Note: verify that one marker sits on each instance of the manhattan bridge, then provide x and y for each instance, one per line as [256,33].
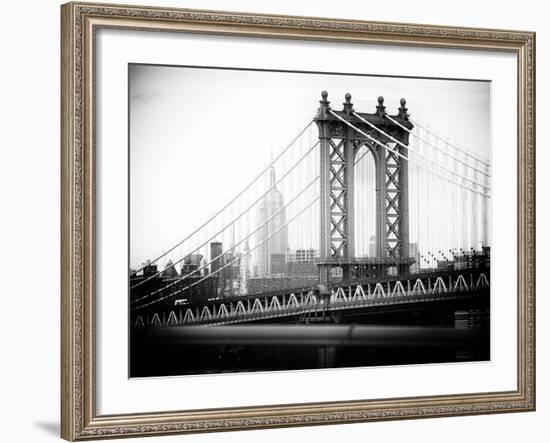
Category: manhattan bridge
[361,214]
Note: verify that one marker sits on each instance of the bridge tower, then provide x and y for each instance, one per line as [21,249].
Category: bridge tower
[339,144]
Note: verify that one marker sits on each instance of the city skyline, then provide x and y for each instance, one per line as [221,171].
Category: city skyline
[147,99]
[362,218]
[273,236]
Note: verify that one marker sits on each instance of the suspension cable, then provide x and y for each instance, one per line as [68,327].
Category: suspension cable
[228,264]
[212,260]
[385,134]
[388,148]
[227,204]
[465,152]
[235,219]
[362,156]
[437,148]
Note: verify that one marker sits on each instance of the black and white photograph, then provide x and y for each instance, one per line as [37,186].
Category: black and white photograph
[298,221]
[285,220]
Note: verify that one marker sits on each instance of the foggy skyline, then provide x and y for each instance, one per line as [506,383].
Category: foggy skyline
[181,118]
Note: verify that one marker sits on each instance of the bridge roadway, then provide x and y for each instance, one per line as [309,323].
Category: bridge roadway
[390,291]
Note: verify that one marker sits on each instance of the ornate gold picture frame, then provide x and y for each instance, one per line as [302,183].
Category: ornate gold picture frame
[80,22]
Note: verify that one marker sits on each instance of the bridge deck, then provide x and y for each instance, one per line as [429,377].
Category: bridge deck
[420,289]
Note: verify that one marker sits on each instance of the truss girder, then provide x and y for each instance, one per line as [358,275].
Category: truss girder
[338,198]
[393,205]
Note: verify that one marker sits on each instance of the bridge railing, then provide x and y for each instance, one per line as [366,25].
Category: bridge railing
[343,298]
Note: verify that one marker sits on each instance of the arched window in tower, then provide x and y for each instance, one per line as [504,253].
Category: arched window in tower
[365,203]
[272,236]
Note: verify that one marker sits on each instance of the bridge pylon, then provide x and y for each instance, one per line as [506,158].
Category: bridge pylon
[339,145]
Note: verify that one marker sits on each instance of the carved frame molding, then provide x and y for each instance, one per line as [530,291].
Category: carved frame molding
[79,23]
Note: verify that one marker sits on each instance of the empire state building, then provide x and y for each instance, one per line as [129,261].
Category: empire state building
[272,235]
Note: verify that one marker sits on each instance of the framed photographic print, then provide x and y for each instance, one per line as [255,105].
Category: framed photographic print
[282,221]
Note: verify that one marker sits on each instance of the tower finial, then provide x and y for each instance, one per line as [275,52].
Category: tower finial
[403,109]
[381,109]
[272,176]
[348,105]
[324,109]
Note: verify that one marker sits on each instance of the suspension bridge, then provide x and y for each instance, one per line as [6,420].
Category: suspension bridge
[359,212]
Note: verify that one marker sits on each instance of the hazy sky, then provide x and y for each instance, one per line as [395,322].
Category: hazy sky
[197,136]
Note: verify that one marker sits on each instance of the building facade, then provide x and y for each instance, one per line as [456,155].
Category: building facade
[272,237]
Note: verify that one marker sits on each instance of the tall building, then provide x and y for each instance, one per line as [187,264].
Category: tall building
[414,252]
[303,255]
[245,269]
[272,236]
[372,247]
[169,270]
[191,264]
[216,250]
[230,273]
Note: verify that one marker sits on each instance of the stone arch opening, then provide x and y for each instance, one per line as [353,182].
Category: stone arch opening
[364,197]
